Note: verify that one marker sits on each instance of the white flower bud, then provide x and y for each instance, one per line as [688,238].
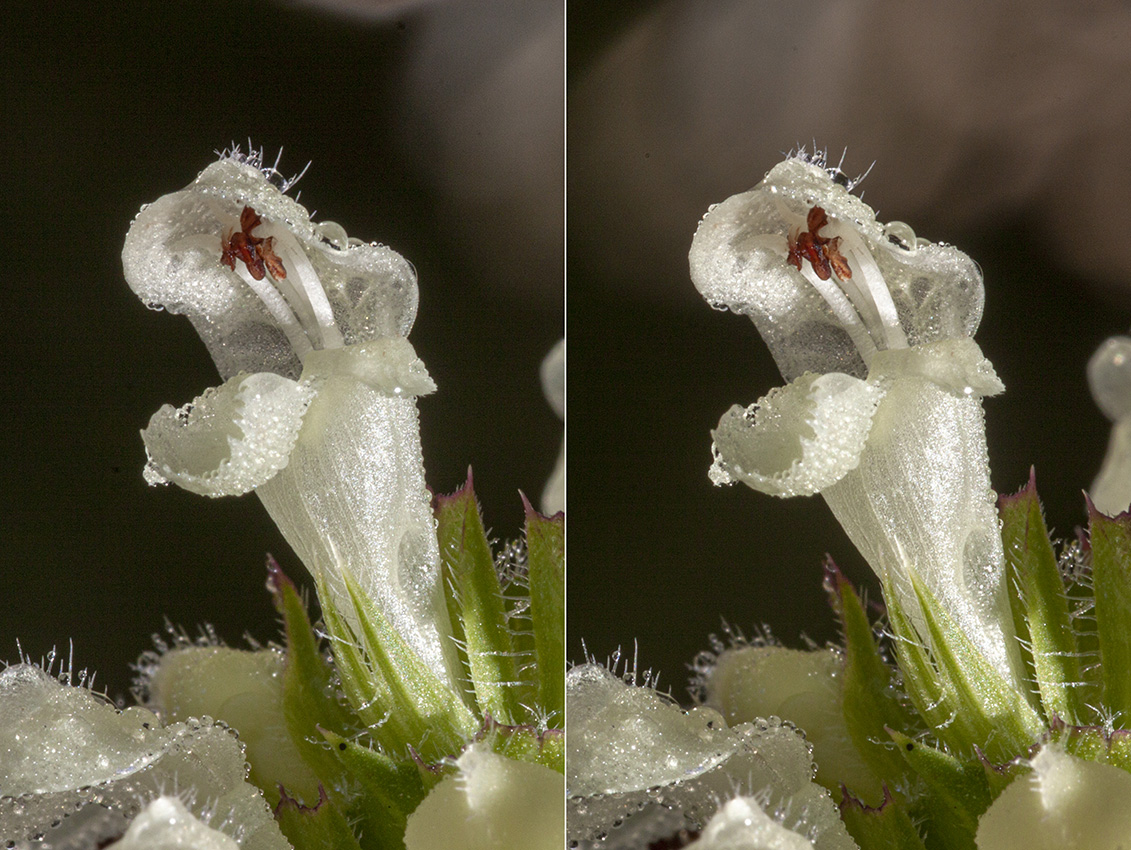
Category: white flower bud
[1109,376]
[1065,803]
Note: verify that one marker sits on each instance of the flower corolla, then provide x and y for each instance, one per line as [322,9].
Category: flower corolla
[75,772]
[317,411]
[553,385]
[871,326]
[1063,802]
[1109,376]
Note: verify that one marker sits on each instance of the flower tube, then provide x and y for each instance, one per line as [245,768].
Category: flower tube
[317,413]
[871,326]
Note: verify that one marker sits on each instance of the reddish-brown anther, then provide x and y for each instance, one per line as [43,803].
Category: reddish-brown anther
[256,253]
[822,253]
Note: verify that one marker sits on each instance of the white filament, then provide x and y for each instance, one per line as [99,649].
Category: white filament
[275,303]
[308,297]
[844,311]
[280,311]
[863,265]
[867,312]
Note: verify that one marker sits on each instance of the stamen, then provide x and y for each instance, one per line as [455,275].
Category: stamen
[843,310]
[280,311]
[890,330]
[860,298]
[275,303]
[303,289]
[297,302]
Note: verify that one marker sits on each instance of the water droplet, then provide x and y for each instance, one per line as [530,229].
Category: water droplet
[900,235]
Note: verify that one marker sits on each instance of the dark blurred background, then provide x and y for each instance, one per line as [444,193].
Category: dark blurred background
[1001,128]
[435,128]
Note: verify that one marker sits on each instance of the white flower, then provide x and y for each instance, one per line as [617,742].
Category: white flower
[491,803]
[1109,376]
[639,769]
[243,689]
[807,688]
[553,384]
[75,767]
[317,412]
[872,328]
[1064,803]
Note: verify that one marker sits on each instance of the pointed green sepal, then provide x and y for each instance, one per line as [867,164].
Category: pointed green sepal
[1111,576]
[388,791]
[476,606]
[396,695]
[1040,607]
[926,690]
[959,791]
[526,743]
[1094,743]
[887,826]
[871,704]
[318,827]
[309,688]
[955,688]
[545,547]
[1001,776]
[403,782]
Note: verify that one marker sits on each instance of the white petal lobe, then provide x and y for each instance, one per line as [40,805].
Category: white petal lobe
[798,439]
[229,440]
